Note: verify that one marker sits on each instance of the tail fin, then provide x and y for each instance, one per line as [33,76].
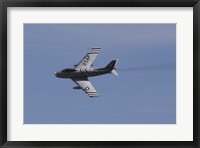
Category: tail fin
[111,67]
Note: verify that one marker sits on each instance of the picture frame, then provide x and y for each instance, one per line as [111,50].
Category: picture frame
[100,3]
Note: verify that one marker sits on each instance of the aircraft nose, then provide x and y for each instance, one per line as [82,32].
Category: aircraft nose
[56,74]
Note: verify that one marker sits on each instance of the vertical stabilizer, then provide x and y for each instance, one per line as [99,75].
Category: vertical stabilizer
[111,67]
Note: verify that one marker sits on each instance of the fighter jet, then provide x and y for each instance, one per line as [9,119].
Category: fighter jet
[80,73]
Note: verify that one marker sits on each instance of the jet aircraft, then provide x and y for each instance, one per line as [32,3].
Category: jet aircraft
[80,73]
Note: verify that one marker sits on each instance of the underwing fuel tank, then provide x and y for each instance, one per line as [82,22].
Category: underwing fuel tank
[77,87]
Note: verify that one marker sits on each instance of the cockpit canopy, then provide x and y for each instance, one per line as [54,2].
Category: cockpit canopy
[68,70]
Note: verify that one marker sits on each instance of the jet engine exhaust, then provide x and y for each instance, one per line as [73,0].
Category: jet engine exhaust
[148,67]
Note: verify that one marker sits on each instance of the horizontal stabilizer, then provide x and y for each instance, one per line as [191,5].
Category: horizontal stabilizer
[114,72]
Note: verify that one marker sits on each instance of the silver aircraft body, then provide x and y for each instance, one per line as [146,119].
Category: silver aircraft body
[80,73]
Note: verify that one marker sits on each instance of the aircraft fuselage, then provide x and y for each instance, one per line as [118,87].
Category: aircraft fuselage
[72,73]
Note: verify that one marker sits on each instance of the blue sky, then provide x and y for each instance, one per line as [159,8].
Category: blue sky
[143,93]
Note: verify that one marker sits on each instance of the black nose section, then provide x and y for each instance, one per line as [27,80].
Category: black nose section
[56,74]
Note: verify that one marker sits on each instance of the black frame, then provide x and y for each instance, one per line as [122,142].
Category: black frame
[99,3]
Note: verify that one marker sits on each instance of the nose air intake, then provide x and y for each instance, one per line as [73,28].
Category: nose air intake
[55,73]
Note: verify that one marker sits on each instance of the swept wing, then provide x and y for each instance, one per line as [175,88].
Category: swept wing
[86,86]
[87,61]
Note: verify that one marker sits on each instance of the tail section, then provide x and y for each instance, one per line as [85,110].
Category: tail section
[114,72]
[111,67]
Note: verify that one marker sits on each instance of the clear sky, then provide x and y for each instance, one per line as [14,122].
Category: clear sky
[143,93]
